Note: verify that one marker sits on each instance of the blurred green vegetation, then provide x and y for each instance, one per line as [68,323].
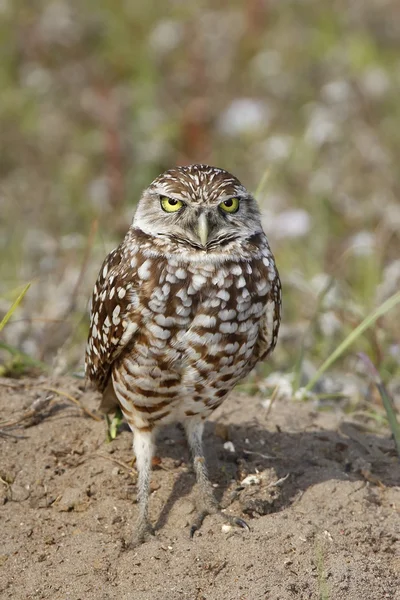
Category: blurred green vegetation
[99,97]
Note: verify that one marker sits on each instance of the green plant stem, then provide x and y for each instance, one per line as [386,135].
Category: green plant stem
[386,400]
[368,321]
[14,305]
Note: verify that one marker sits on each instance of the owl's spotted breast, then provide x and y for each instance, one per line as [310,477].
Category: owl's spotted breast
[181,334]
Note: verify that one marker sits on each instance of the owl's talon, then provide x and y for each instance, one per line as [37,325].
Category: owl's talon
[198,523]
[193,530]
[241,523]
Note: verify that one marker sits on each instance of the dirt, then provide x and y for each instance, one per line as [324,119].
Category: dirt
[322,505]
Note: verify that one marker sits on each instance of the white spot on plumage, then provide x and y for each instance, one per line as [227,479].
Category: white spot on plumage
[187,302]
[219,278]
[203,320]
[159,332]
[223,294]
[227,315]
[269,316]
[246,326]
[257,309]
[198,280]
[164,321]
[156,306]
[236,270]
[115,316]
[166,288]
[214,302]
[171,278]
[183,311]
[144,270]
[212,339]
[158,293]
[182,294]
[130,329]
[263,287]
[231,348]
[228,327]
[121,292]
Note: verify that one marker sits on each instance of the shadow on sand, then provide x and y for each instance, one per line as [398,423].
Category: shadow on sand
[304,459]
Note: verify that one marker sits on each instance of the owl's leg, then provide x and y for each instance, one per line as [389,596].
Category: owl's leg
[208,504]
[143,446]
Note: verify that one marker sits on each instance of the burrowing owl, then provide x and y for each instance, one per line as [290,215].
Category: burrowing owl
[181,311]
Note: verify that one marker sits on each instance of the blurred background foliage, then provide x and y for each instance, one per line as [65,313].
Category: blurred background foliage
[298,98]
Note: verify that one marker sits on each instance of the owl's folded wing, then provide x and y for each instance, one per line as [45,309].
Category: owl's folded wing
[113,319]
[269,322]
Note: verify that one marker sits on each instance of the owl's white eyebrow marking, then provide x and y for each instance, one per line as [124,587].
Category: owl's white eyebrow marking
[198,184]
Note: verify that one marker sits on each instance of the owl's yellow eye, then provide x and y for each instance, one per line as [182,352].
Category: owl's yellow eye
[170,205]
[230,206]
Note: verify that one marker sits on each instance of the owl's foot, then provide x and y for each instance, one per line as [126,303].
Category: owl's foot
[229,519]
[143,533]
[207,504]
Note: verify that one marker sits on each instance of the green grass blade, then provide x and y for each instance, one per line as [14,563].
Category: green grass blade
[300,359]
[114,424]
[352,337]
[262,183]
[13,307]
[324,592]
[28,360]
[386,400]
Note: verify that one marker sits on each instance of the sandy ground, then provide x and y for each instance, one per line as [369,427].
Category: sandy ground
[323,511]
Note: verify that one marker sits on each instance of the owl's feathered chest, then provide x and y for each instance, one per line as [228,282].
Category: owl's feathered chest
[173,326]
[192,304]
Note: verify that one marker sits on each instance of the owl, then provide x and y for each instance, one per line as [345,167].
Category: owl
[181,311]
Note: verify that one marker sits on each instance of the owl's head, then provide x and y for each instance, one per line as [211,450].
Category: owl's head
[202,207]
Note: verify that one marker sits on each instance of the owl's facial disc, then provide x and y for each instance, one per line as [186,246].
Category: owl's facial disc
[199,208]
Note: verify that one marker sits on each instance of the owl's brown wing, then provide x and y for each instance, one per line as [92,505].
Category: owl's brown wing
[269,323]
[113,320]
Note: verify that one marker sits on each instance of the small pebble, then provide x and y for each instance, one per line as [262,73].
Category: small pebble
[154,485]
[226,528]
[251,480]
[229,446]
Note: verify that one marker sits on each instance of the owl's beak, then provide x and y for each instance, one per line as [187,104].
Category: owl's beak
[202,228]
